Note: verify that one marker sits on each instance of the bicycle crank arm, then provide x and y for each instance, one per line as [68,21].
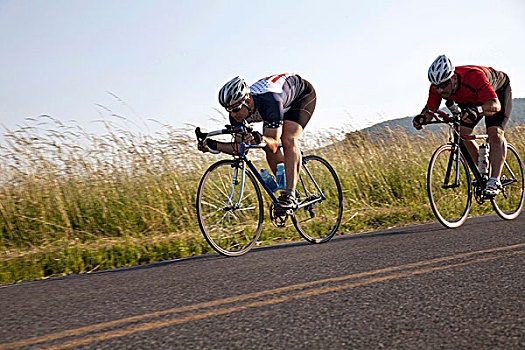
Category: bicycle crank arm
[305,204]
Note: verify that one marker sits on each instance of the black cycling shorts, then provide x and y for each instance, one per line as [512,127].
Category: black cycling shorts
[303,107]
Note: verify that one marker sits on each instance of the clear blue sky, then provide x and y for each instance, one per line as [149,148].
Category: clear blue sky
[167,59]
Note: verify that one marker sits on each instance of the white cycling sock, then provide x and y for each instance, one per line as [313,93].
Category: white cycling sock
[495,180]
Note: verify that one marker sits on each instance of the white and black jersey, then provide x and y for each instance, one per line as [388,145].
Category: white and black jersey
[274,96]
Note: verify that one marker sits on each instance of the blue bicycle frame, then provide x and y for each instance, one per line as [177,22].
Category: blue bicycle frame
[241,158]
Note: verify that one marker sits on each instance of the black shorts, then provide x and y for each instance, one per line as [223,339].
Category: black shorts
[501,118]
[303,107]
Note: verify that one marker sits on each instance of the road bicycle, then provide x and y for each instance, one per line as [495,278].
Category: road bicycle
[230,204]
[450,186]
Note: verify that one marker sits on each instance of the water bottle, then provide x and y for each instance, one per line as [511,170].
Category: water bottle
[269,180]
[483,160]
[280,176]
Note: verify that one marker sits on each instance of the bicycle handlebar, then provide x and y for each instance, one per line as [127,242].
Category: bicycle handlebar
[454,121]
[241,129]
[439,117]
[456,110]
[229,129]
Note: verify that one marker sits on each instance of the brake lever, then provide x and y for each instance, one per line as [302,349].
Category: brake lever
[201,136]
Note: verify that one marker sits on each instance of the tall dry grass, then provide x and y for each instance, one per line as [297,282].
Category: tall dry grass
[73,201]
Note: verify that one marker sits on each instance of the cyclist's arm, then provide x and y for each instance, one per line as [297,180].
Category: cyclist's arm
[491,107]
[271,110]
[486,92]
[228,147]
[224,147]
[428,113]
[433,102]
[214,146]
[231,147]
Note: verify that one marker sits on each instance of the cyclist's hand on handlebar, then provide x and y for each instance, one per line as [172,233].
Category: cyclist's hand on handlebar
[254,138]
[257,137]
[418,121]
[208,145]
[470,114]
[422,119]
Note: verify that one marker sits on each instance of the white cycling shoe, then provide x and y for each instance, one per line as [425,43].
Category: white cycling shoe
[492,189]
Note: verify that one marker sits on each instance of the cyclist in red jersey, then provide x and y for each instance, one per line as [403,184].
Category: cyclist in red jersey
[285,104]
[479,92]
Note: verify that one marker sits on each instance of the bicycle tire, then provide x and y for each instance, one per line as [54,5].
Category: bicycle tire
[509,202]
[230,230]
[318,222]
[451,205]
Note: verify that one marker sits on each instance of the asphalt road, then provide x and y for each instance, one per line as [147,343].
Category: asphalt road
[418,287]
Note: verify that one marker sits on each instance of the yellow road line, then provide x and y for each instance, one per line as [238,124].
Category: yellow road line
[305,294]
[91,328]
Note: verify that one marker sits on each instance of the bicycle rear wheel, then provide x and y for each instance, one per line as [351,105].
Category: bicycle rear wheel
[509,202]
[229,210]
[320,201]
[449,201]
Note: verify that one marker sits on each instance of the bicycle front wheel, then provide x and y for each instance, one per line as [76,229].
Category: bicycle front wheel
[320,201]
[450,200]
[229,208]
[509,202]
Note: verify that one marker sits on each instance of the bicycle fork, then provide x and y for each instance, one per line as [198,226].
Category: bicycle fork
[235,182]
[454,158]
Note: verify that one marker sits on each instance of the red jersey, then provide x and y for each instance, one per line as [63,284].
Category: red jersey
[476,85]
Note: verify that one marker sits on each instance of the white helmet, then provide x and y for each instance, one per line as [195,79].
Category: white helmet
[440,70]
[233,92]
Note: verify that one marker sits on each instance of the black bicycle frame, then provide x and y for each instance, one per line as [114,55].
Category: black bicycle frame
[471,164]
[458,149]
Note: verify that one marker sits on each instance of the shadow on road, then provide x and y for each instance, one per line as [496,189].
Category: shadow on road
[420,228]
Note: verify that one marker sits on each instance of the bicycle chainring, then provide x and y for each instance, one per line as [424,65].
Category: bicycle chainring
[279,217]
[477,189]
[478,194]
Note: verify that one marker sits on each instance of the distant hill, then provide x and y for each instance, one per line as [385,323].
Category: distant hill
[517,117]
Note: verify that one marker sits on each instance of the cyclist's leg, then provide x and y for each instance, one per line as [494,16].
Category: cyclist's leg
[273,158]
[295,120]
[495,129]
[498,150]
[471,145]
[292,154]
[467,128]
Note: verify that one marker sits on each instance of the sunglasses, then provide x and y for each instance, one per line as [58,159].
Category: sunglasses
[236,108]
[442,85]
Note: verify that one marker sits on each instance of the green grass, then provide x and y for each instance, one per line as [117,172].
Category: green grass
[73,202]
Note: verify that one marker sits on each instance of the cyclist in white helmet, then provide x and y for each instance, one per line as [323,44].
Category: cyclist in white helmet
[284,103]
[441,70]
[480,92]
